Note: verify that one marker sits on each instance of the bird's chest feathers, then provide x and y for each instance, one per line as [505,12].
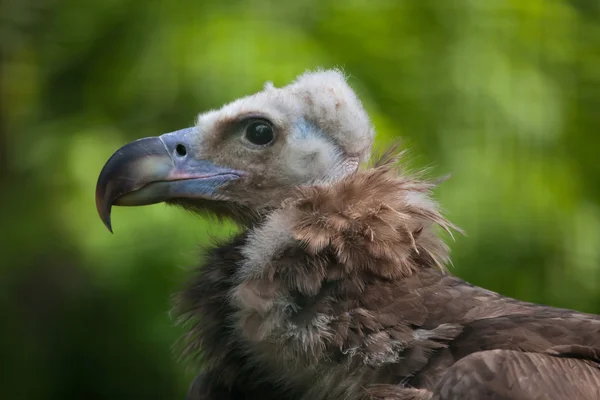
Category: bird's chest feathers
[316,343]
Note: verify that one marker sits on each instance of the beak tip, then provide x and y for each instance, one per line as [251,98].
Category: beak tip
[105,217]
[103,209]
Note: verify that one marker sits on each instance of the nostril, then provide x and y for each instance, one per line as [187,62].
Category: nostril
[180,150]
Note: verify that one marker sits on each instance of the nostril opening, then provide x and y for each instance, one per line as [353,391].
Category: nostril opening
[180,150]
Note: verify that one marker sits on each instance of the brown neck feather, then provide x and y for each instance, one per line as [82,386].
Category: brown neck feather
[378,220]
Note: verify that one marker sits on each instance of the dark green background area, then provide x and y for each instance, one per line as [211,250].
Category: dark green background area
[502,94]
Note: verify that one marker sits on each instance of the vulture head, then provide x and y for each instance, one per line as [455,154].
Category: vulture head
[247,157]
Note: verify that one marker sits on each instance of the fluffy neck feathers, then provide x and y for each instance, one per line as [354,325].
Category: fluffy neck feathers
[376,221]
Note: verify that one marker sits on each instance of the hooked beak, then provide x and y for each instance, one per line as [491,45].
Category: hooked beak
[156,169]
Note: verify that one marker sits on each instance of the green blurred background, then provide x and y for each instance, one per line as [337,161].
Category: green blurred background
[502,94]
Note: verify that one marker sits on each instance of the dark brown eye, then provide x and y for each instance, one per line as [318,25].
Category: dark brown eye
[259,133]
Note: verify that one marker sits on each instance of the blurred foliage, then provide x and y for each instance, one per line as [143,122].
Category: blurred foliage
[503,94]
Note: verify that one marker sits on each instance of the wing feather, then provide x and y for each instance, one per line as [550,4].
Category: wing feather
[515,375]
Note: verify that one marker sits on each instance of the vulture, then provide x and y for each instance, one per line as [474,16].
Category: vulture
[336,285]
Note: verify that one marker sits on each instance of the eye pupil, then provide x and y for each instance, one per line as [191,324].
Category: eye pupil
[259,133]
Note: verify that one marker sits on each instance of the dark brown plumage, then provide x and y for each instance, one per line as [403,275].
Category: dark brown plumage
[337,289]
[376,315]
